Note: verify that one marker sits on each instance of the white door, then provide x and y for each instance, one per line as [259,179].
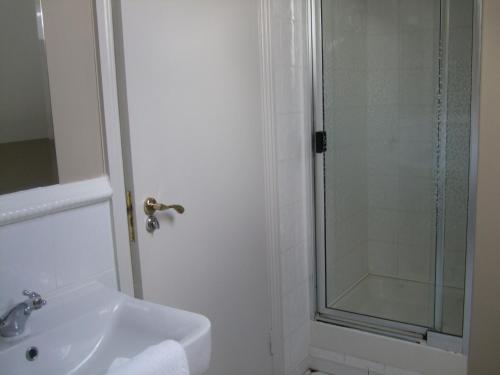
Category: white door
[191,71]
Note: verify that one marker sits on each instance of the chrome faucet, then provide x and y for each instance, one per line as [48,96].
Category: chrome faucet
[14,321]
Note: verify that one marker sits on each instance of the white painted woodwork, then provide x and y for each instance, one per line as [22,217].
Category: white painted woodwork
[193,112]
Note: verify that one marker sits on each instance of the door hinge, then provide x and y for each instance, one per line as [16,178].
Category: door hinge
[130,216]
[320,142]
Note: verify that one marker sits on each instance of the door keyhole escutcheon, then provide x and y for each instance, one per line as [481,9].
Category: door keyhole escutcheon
[152,224]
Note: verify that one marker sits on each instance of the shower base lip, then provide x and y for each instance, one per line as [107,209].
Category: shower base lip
[408,304]
[348,290]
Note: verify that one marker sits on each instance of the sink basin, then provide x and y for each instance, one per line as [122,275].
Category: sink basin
[82,331]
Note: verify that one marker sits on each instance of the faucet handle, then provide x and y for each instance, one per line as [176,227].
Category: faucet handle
[30,293]
[36,300]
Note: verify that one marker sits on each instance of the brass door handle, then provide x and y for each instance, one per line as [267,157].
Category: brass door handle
[151,206]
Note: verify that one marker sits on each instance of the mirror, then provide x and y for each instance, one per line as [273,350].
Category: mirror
[27,147]
[50,118]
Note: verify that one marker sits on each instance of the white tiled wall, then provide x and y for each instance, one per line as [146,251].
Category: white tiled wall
[288,39]
[345,111]
[56,251]
[402,39]
[380,81]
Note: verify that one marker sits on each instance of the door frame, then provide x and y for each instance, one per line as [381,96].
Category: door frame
[271,198]
[371,324]
[112,141]
[116,166]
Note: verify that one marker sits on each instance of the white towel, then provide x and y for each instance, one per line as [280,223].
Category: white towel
[166,358]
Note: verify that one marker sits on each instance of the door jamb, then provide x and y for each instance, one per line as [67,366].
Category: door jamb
[112,142]
[269,145]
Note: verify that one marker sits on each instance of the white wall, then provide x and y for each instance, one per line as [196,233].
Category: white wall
[24,113]
[52,252]
[484,358]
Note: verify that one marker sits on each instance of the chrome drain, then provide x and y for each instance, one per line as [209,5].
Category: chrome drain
[32,353]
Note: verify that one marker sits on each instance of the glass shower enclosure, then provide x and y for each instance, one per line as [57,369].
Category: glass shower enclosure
[393,88]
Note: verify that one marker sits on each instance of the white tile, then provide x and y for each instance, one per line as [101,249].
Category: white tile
[26,260]
[419,49]
[327,354]
[290,136]
[292,225]
[383,191]
[291,180]
[109,278]
[297,346]
[454,268]
[287,265]
[382,51]
[288,42]
[294,267]
[417,228]
[289,90]
[414,262]
[417,159]
[417,86]
[383,157]
[346,52]
[296,308]
[347,235]
[383,17]
[336,368]
[348,17]
[417,123]
[383,258]
[419,15]
[365,364]
[83,243]
[344,88]
[416,194]
[383,86]
[382,122]
[389,370]
[382,225]
[346,128]
[346,271]
[288,9]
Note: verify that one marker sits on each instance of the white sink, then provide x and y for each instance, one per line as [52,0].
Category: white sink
[83,331]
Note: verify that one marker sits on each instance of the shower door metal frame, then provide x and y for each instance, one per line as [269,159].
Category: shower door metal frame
[354,320]
[442,123]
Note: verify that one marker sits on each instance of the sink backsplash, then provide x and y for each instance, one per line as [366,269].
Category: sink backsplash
[56,251]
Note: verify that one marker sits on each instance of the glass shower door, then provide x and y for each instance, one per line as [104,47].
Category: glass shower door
[391,188]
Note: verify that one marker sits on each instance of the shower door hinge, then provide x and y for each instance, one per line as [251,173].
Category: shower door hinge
[320,142]
[130,216]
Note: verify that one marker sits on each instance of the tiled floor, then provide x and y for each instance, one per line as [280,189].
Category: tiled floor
[404,301]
